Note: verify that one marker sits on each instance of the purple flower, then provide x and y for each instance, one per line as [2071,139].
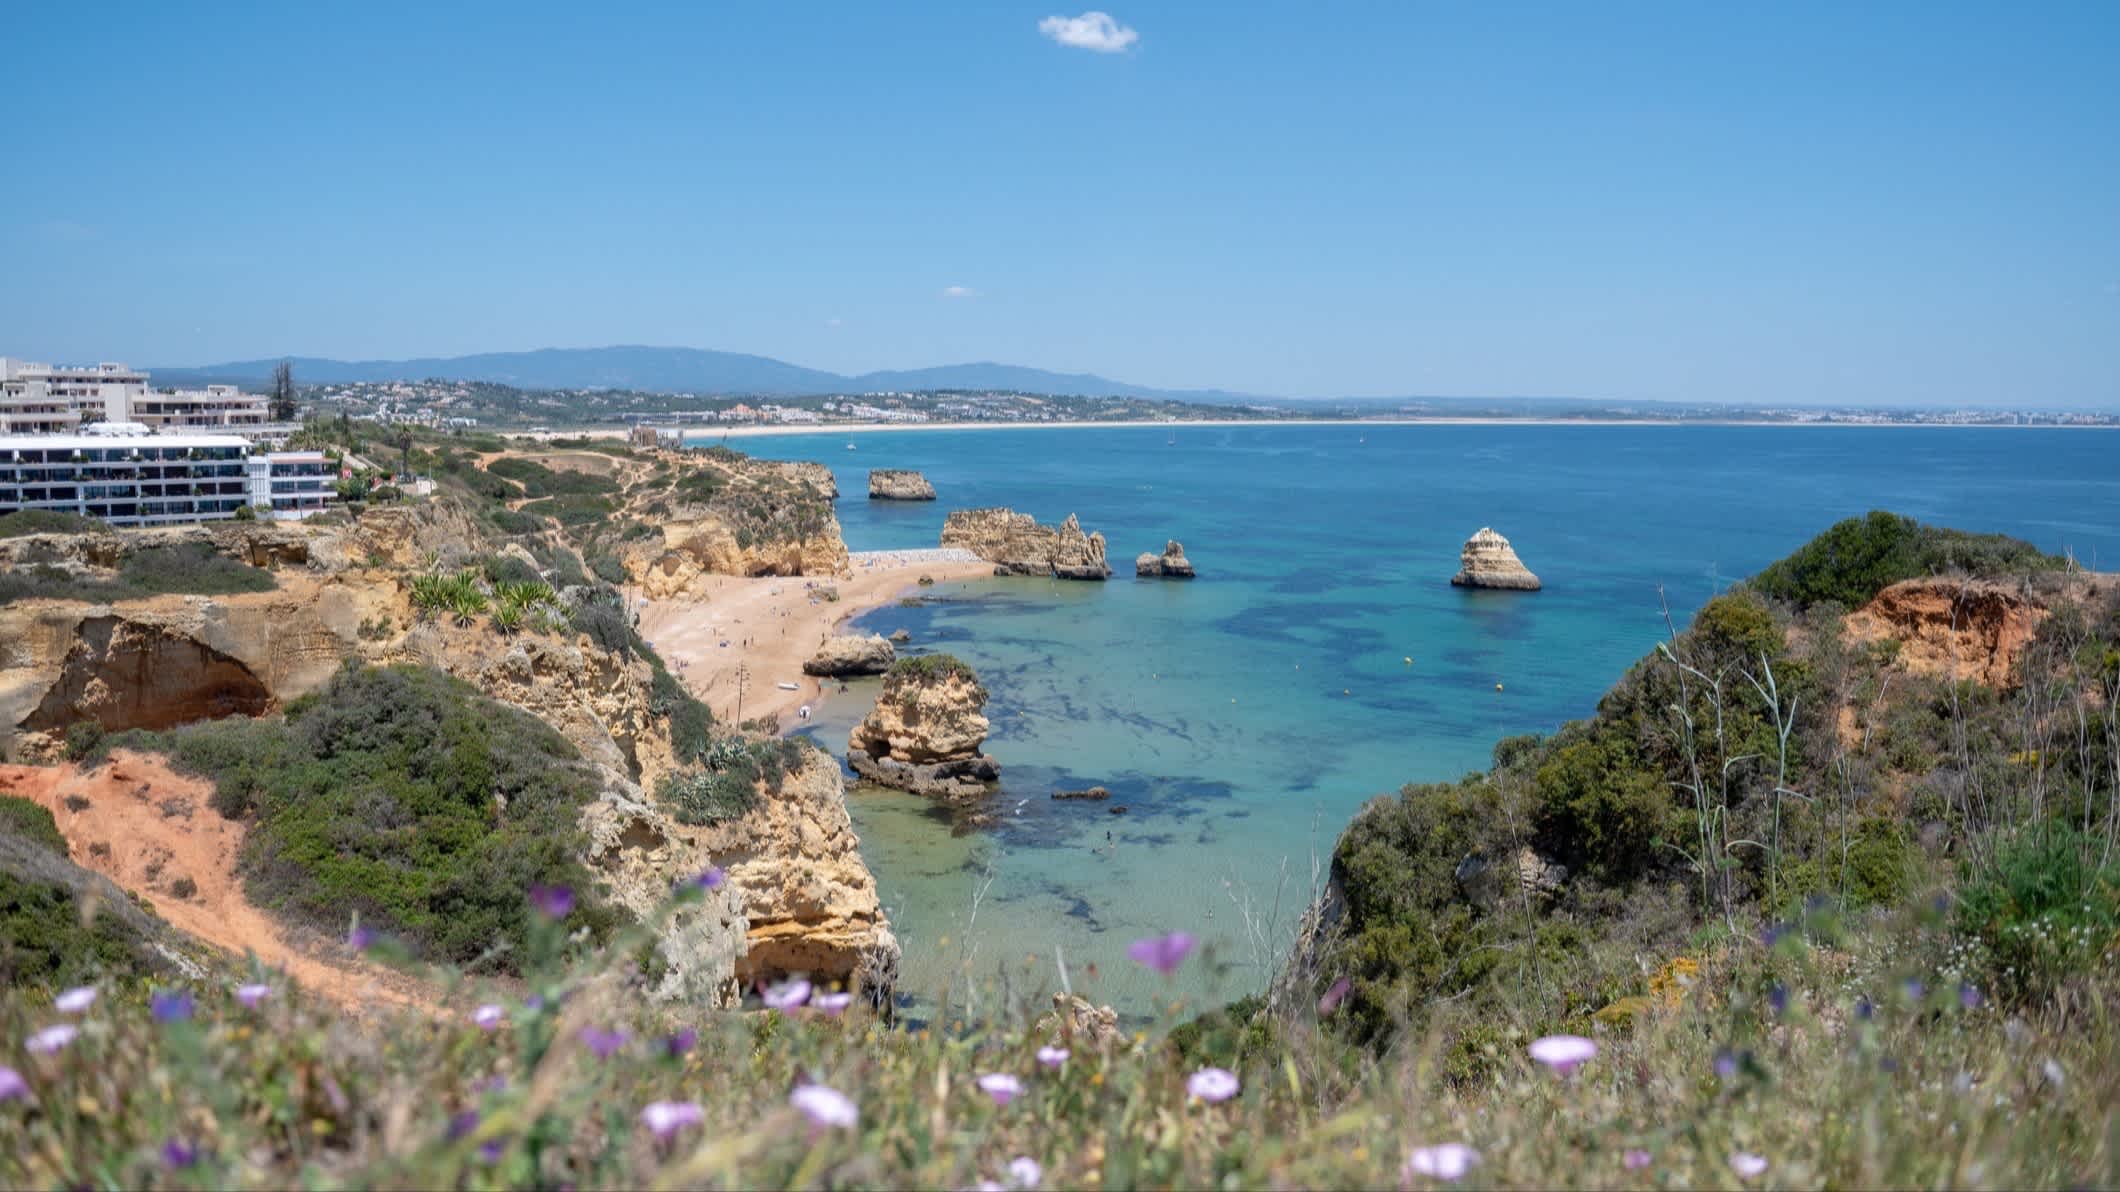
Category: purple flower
[787,995]
[1778,999]
[553,902]
[51,1038]
[832,1003]
[1914,989]
[1163,953]
[1969,997]
[170,1007]
[252,994]
[1748,1166]
[177,1154]
[1052,1057]
[1725,1063]
[1001,1086]
[1334,996]
[489,1152]
[1865,1009]
[489,1017]
[710,878]
[603,1043]
[462,1124]
[12,1086]
[1635,1160]
[1024,1172]
[1444,1161]
[1563,1053]
[1772,934]
[1212,1084]
[677,1045]
[665,1118]
[360,938]
[825,1107]
[75,1001]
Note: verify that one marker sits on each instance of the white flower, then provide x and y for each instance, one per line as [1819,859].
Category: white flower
[664,1118]
[824,1106]
[1024,1172]
[488,1016]
[1747,1165]
[74,1001]
[1212,1084]
[1563,1053]
[1443,1161]
[51,1038]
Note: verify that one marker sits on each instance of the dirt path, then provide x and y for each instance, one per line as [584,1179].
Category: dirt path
[155,834]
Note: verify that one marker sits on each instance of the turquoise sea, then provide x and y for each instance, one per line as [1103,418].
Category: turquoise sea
[1242,718]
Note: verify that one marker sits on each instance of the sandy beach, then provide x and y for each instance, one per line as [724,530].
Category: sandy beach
[774,625]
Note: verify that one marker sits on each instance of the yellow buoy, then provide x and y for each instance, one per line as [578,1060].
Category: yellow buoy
[1409,660]
[1497,686]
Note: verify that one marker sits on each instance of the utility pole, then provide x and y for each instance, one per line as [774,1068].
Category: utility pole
[743,683]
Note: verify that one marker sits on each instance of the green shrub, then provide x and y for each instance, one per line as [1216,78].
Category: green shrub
[191,568]
[573,509]
[690,722]
[709,796]
[2043,911]
[1600,808]
[1860,557]
[608,569]
[508,521]
[82,738]
[44,944]
[537,480]
[20,522]
[30,821]
[931,666]
[507,569]
[240,756]
[602,615]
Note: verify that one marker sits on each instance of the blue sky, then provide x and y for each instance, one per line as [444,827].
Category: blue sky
[1791,202]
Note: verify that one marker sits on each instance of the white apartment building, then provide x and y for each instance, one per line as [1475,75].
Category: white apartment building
[59,399]
[127,475]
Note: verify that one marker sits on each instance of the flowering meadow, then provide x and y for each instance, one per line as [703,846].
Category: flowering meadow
[1809,1055]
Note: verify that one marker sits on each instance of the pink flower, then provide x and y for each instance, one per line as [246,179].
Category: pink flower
[1334,996]
[1563,1053]
[75,1001]
[1443,1161]
[825,1107]
[1052,1057]
[51,1038]
[1163,953]
[788,995]
[664,1118]
[250,995]
[1635,1160]
[12,1086]
[832,1003]
[1001,1086]
[1024,1172]
[1747,1165]
[489,1017]
[1212,1084]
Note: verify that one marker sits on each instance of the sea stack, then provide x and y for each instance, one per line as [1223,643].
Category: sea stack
[895,484]
[1017,545]
[1488,562]
[851,654]
[925,731]
[1171,564]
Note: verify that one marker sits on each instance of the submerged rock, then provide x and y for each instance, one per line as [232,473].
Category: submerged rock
[925,731]
[851,654]
[894,484]
[1017,545]
[1171,564]
[1095,792]
[1489,562]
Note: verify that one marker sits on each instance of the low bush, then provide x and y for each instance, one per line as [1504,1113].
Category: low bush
[1860,557]
[17,523]
[28,820]
[191,568]
[2044,911]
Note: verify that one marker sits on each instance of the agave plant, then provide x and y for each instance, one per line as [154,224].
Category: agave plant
[465,604]
[509,618]
[524,595]
[430,594]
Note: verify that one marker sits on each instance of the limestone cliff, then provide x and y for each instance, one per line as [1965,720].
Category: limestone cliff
[925,731]
[1952,628]
[851,654]
[1017,545]
[1489,562]
[893,484]
[1171,564]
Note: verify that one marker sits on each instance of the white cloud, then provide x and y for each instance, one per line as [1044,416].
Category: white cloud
[959,292]
[1091,31]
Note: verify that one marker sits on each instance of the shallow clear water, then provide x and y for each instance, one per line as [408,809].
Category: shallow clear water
[1243,717]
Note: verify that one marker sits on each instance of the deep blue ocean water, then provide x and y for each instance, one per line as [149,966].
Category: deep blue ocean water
[1242,718]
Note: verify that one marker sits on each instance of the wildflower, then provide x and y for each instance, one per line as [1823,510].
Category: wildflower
[489,1016]
[1747,1165]
[489,1153]
[462,1124]
[2047,1068]
[680,1043]
[75,1001]
[1051,1056]
[1024,1172]
[832,1003]
[604,1043]
[1212,1084]
[665,1118]
[1772,934]
[824,1107]
[710,878]
[1334,996]
[1778,999]
[1635,1160]
[14,1088]
[360,938]
[1969,997]
[1725,1063]
[51,1038]
[1001,1086]
[178,1154]
[1444,1161]
[1163,953]
[787,995]
[1914,989]
[250,995]
[553,902]
[1865,1009]
[170,1007]
[1563,1053]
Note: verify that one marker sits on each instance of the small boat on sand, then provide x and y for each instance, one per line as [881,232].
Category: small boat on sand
[787,686]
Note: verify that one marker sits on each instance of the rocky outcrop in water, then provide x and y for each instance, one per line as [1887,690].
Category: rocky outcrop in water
[1017,545]
[925,731]
[1094,793]
[1489,562]
[894,484]
[1171,564]
[851,654]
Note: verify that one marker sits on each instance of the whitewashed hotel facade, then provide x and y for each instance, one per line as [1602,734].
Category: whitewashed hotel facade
[127,475]
[43,399]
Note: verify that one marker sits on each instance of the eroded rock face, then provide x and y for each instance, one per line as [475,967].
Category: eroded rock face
[815,475]
[1488,561]
[1075,1022]
[1954,628]
[924,733]
[640,853]
[1171,564]
[1017,545]
[1488,884]
[851,654]
[125,674]
[893,484]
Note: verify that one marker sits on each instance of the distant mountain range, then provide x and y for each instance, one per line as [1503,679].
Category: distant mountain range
[674,370]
